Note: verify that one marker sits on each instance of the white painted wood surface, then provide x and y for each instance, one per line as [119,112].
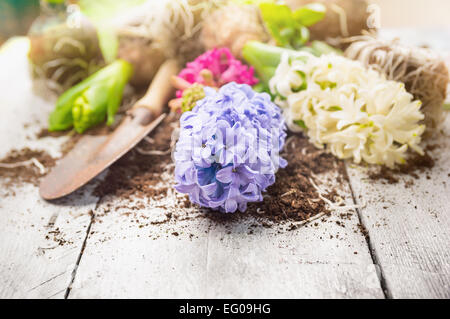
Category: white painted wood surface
[122,260]
[409,227]
[409,254]
[32,266]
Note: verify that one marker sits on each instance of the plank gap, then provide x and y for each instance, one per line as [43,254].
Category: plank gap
[83,246]
[373,254]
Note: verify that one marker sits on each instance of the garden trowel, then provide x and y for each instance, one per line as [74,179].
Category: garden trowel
[92,154]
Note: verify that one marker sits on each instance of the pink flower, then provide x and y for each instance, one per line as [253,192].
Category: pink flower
[215,68]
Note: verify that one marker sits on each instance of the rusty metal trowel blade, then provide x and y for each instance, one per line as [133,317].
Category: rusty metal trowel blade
[92,154]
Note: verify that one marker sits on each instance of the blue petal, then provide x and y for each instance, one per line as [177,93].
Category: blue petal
[230,206]
[225,175]
[206,175]
[209,190]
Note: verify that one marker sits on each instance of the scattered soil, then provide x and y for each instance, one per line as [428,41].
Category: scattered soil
[43,133]
[30,173]
[24,174]
[363,230]
[136,174]
[58,237]
[415,164]
[291,198]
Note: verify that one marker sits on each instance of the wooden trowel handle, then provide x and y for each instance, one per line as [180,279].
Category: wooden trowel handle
[160,90]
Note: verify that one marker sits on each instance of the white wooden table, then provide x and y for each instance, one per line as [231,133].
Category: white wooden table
[406,253]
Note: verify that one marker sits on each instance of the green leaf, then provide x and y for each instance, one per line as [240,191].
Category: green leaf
[265,58]
[447,106]
[289,28]
[92,100]
[109,43]
[326,85]
[116,91]
[334,108]
[89,109]
[310,14]
[55,1]
[101,12]
[323,48]
[304,35]
[301,123]
[61,117]
[280,22]
[304,84]
[261,87]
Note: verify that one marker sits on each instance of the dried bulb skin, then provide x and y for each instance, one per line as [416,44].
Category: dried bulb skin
[158,30]
[187,33]
[145,58]
[63,55]
[232,26]
[422,70]
[344,18]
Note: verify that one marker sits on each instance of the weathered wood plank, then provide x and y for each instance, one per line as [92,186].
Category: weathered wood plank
[39,242]
[23,113]
[126,256]
[323,260]
[272,267]
[409,226]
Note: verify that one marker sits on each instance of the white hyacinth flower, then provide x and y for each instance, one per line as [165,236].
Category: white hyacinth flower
[353,112]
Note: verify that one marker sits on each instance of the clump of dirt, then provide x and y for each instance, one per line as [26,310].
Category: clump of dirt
[13,173]
[416,164]
[363,230]
[58,237]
